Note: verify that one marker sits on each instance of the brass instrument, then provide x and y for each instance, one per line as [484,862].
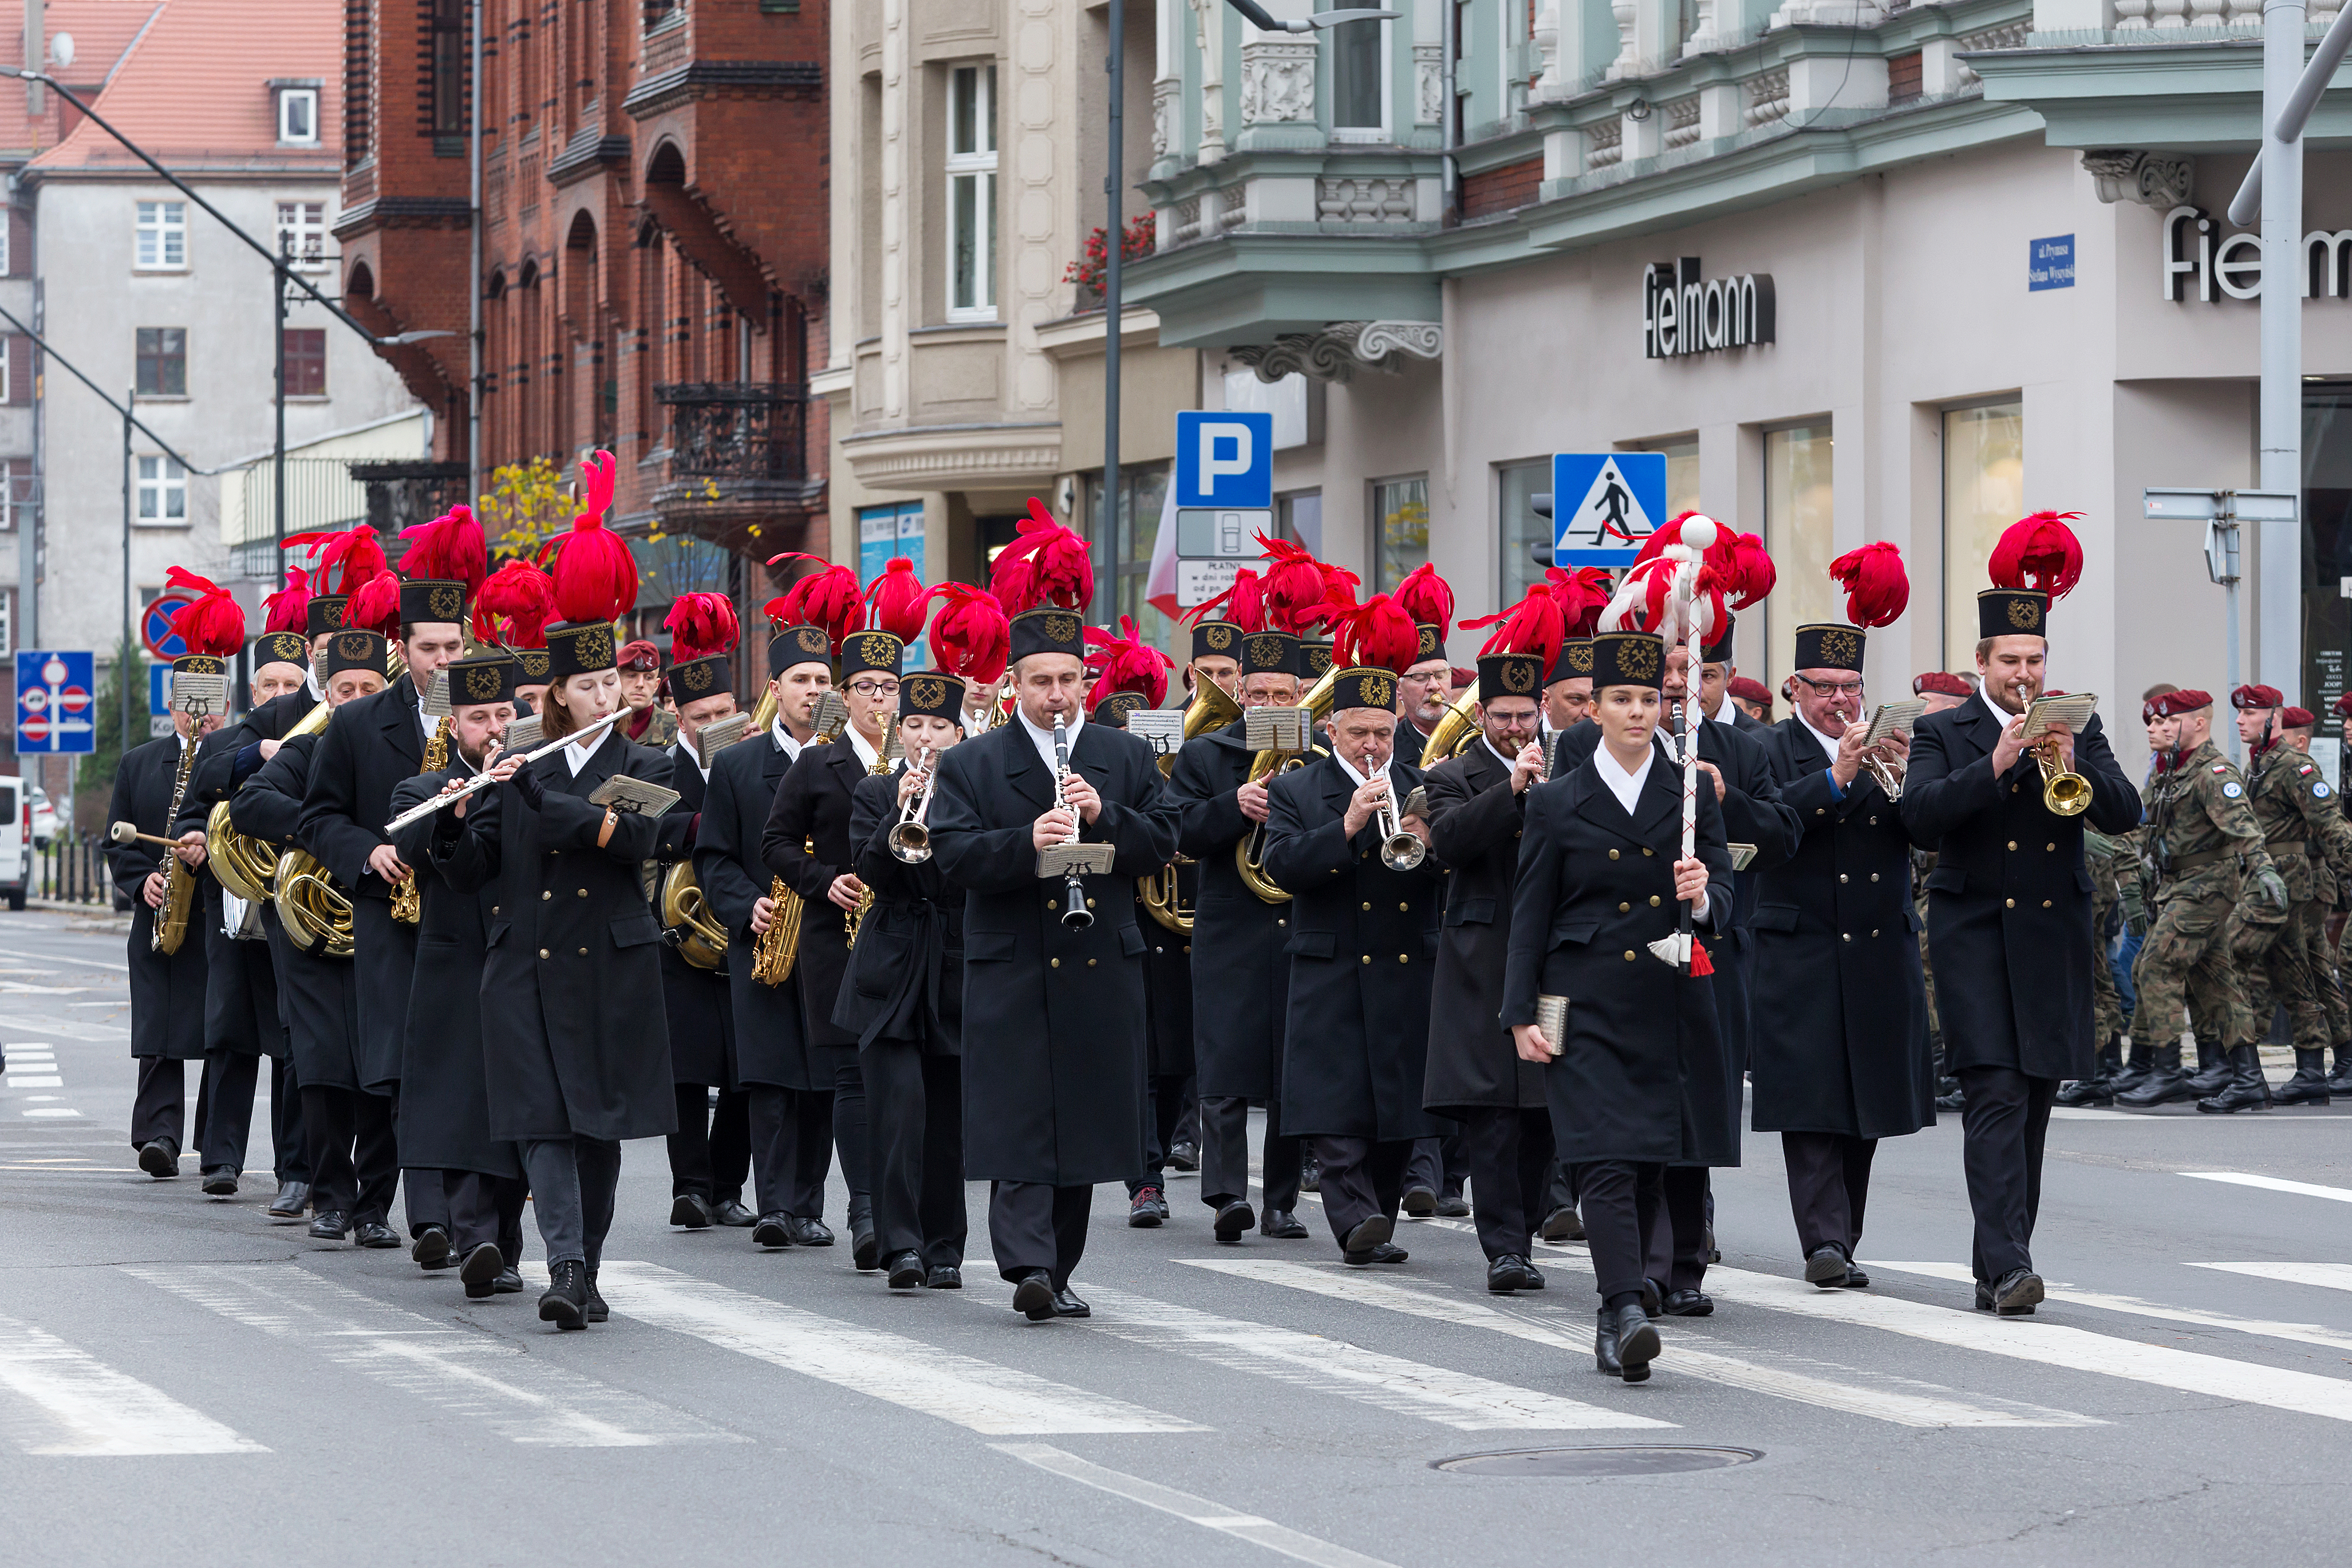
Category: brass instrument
[687,923]
[775,950]
[315,915]
[910,841]
[1400,851]
[1001,705]
[1212,707]
[245,866]
[2064,794]
[1249,855]
[408,898]
[1454,732]
[1890,774]
[884,761]
[171,924]
[1162,894]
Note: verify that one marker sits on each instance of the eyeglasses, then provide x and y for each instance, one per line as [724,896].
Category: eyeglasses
[1418,680]
[1836,688]
[875,688]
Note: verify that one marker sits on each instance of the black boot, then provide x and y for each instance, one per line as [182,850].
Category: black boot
[1624,1344]
[2164,1083]
[564,1302]
[2212,1070]
[2099,1088]
[2246,1089]
[2340,1082]
[2309,1085]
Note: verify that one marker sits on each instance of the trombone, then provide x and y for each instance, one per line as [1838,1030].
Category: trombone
[910,841]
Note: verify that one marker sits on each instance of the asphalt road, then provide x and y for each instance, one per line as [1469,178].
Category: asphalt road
[177,1374]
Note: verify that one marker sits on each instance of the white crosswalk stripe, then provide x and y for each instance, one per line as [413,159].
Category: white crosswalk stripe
[1334,1366]
[2273,1184]
[70,1404]
[963,1389]
[2306,1333]
[1911,1404]
[2330,1276]
[508,1392]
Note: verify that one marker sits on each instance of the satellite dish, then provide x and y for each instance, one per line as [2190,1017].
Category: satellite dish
[61,49]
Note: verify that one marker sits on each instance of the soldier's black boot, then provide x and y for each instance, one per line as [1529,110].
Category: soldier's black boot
[2309,1085]
[2247,1090]
[2135,1065]
[2341,1081]
[2212,1070]
[2163,1084]
[2099,1088]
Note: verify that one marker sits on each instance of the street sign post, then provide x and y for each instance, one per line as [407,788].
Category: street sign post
[1604,505]
[53,703]
[155,627]
[1225,499]
[2221,512]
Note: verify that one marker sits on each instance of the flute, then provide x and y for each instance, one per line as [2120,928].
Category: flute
[484,780]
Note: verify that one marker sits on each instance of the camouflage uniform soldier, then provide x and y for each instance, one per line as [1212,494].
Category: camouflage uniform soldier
[2206,850]
[2100,856]
[2327,857]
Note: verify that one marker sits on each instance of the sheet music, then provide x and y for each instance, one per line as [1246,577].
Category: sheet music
[2073,710]
[1894,718]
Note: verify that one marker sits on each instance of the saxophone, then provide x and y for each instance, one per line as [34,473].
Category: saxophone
[775,950]
[171,928]
[408,899]
[884,761]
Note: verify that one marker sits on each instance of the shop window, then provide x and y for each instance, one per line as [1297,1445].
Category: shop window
[884,533]
[1142,498]
[162,492]
[2326,513]
[1526,538]
[1797,532]
[1299,518]
[1984,492]
[162,236]
[972,193]
[1400,530]
[162,361]
[1681,452]
[306,362]
[1358,52]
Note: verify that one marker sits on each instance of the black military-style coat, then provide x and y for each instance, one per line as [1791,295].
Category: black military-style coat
[770,1039]
[241,1006]
[701,1013]
[319,996]
[1241,974]
[444,1099]
[812,807]
[373,743]
[575,1041]
[1640,1075]
[2009,903]
[1838,1042]
[167,992]
[1053,1022]
[1473,828]
[1363,942]
[905,982]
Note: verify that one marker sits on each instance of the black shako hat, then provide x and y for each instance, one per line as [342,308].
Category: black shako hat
[798,645]
[1575,659]
[1433,643]
[1510,676]
[1049,630]
[353,649]
[1830,645]
[1628,659]
[426,599]
[1314,658]
[1217,639]
[875,651]
[1269,654]
[281,648]
[2012,613]
[1364,686]
[1718,652]
[579,648]
[932,694]
[480,678]
[692,680]
[324,613]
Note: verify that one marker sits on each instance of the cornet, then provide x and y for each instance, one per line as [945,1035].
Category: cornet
[1400,851]
[2063,793]
[910,841]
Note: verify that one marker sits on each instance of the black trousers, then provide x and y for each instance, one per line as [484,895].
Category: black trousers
[487,1209]
[1225,1154]
[791,1148]
[424,1189]
[1361,1178]
[1188,1118]
[850,1133]
[1619,1201]
[2002,1129]
[1034,1225]
[231,1079]
[160,1108]
[914,1109]
[1559,1187]
[1509,1153]
[1438,1163]
[1164,1097]
[1677,1234]
[353,1151]
[572,1181]
[1829,1184]
[710,1152]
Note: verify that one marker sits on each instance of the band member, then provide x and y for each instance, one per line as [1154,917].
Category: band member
[1054,1021]
[359,761]
[1638,1082]
[1241,974]
[1753,697]
[710,1152]
[1365,923]
[806,841]
[1839,1023]
[1439,1166]
[446,1120]
[1716,674]
[2009,905]
[167,990]
[347,1130]
[1568,691]
[903,1000]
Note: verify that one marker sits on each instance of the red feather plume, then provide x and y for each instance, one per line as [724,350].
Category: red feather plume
[1582,595]
[1124,663]
[353,554]
[1877,586]
[701,624]
[2039,552]
[1244,602]
[1045,564]
[289,609]
[971,637]
[897,599]
[375,604]
[1425,596]
[214,622]
[1742,566]
[1375,633]
[1533,626]
[514,605]
[827,598]
[1295,589]
[595,575]
[449,548]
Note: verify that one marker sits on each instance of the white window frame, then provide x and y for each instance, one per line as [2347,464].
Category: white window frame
[159,479]
[4,245]
[980,166]
[286,99]
[7,368]
[1386,130]
[8,494]
[310,238]
[158,229]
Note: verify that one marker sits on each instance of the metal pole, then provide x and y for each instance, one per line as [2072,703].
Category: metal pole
[1113,184]
[122,651]
[2278,655]
[277,457]
[2231,539]
[473,272]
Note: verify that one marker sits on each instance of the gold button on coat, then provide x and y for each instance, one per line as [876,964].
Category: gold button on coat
[542,952]
[1404,906]
[544,897]
[2012,843]
[2045,903]
[1841,879]
[1654,901]
[1404,959]
[1368,957]
[1623,907]
[1629,955]
[1055,963]
[2009,903]
[1090,963]
[1612,854]
[583,893]
[1368,908]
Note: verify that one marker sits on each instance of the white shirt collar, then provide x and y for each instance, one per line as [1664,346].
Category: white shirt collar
[2001,716]
[577,754]
[1829,743]
[1626,787]
[866,755]
[311,679]
[784,741]
[1724,713]
[1043,739]
[1362,778]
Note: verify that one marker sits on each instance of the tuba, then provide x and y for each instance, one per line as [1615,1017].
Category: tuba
[1454,732]
[686,921]
[1249,855]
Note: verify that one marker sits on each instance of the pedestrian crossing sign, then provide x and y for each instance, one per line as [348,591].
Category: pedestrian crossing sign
[1604,505]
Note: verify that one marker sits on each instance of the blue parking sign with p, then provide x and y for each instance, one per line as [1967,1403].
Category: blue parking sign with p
[1225,460]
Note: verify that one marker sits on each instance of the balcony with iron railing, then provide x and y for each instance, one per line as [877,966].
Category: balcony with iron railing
[733,465]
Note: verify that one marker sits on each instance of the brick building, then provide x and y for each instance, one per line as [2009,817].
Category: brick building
[653,255]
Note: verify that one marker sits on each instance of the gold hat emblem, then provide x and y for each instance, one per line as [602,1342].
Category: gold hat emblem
[1638,657]
[878,648]
[1061,626]
[1219,638]
[482,682]
[534,663]
[2024,613]
[1431,641]
[1518,676]
[1378,691]
[1265,651]
[1842,650]
[355,645]
[1579,659]
[925,693]
[808,640]
[696,676]
[446,601]
[201,665]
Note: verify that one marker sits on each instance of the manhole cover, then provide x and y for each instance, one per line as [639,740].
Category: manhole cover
[1627,1459]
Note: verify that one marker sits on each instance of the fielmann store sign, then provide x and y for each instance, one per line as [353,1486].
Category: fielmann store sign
[2199,259]
[1682,314]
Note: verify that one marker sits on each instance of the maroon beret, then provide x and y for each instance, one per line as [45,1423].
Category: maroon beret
[1941,682]
[2257,696]
[2296,719]
[1750,690]
[2172,705]
[640,655]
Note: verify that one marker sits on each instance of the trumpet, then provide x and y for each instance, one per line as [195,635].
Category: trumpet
[910,841]
[1400,851]
[1890,773]
[2064,794]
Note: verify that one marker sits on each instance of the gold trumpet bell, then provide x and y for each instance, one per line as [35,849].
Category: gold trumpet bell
[2064,794]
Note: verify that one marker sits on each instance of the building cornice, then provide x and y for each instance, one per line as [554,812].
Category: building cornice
[955,456]
[723,79]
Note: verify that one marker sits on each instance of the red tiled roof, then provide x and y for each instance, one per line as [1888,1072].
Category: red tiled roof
[193,88]
[101,30]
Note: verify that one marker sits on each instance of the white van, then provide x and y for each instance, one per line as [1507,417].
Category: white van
[16,839]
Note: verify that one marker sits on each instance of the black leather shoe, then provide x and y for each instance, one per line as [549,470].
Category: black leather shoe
[1826,1266]
[1453,1205]
[689,1210]
[2158,1088]
[1654,1298]
[2088,1091]
[1688,1304]
[1032,1295]
[1855,1279]
[1366,1236]
[1604,1346]
[730,1211]
[1148,1209]
[1234,1218]
[1952,1099]
[1509,1274]
[160,1159]
[1636,1342]
[484,1263]
[865,1250]
[293,1198]
[564,1302]
[332,1225]
[772,1231]
[1385,1252]
[2016,1293]
[431,1247]
[375,1233]
[2212,1074]
[221,1181]
[596,1310]
[808,1232]
[509,1282]
[2307,1087]
[1420,1202]
[1066,1305]
[1310,1174]
[2246,1090]
[479,1293]
[1184,1157]
[1562,1224]
[943,1277]
[905,1271]
[1282,1226]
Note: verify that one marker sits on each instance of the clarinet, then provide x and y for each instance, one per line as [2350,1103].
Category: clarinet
[1075,916]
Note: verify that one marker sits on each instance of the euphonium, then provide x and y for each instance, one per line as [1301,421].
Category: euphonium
[1249,855]
[1163,896]
[2063,793]
[1212,707]
[315,915]
[686,921]
[245,866]
[1454,732]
